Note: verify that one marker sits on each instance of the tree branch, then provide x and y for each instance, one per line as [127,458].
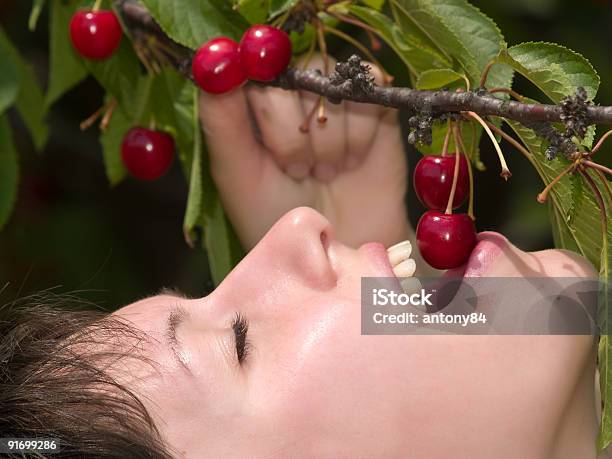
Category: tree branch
[140,23]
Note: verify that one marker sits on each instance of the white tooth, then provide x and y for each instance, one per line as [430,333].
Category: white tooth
[399,252]
[411,284]
[405,269]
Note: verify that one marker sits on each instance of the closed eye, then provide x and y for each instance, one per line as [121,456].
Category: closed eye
[241,327]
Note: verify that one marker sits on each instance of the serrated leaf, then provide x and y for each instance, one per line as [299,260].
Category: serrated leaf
[577,192]
[193,22]
[8,171]
[461,31]
[557,71]
[580,233]
[30,101]
[66,69]
[416,55]
[437,78]
[111,140]
[37,7]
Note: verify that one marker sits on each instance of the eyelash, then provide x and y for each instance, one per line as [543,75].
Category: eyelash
[240,325]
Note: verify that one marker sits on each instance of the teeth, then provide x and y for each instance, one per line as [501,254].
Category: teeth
[405,269]
[399,252]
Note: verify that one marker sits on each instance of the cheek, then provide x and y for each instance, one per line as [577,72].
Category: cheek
[320,369]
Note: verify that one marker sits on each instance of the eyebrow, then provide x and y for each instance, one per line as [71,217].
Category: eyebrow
[177,316]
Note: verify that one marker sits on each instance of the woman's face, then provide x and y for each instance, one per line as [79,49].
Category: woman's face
[309,384]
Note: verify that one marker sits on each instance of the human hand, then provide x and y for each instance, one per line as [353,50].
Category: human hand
[352,168]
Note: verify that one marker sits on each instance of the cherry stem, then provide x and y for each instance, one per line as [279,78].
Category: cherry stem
[512,92]
[543,196]
[447,138]
[485,74]
[355,22]
[604,182]
[601,141]
[108,114]
[105,111]
[322,47]
[505,172]
[309,54]
[321,118]
[516,144]
[451,197]
[605,169]
[360,47]
[470,174]
[97,5]
[602,209]
[305,126]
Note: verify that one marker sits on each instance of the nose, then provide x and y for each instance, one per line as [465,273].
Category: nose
[296,248]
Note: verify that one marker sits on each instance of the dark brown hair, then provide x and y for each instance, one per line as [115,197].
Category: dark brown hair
[54,382]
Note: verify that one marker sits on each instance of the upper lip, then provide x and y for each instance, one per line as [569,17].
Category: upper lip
[377,253]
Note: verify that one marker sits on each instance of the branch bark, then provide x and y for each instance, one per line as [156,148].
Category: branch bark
[139,22]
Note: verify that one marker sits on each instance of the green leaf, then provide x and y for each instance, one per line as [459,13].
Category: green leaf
[471,133]
[415,54]
[193,22]
[462,32]
[111,139]
[193,213]
[577,188]
[119,75]
[9,77]
[30,101]
[554,69]
[254,11]
[280,6]
[220,240]
[66,69]
[376,4]
[37,7]
[8,171]
[437,78]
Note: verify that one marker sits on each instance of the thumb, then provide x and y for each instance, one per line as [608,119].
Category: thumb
[236,157]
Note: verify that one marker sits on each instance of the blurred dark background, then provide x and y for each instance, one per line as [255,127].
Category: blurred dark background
[71,231]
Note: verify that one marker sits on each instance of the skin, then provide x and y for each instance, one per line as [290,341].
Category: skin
[311,384]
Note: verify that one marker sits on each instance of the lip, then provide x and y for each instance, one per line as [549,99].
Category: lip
[489,247]
[377,254]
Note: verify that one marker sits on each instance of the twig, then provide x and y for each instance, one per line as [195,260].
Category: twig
[439,102]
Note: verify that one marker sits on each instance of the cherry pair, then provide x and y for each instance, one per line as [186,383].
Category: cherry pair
[445,240]
[221,64]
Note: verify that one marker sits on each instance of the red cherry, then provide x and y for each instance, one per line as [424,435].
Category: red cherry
[445,241]
[95,34]
[265,52]
[147,154]
[216,66]
[433,180]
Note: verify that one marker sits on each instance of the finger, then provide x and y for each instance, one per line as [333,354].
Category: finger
[235,155]
[361,125]
[279,115]
[328,140]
